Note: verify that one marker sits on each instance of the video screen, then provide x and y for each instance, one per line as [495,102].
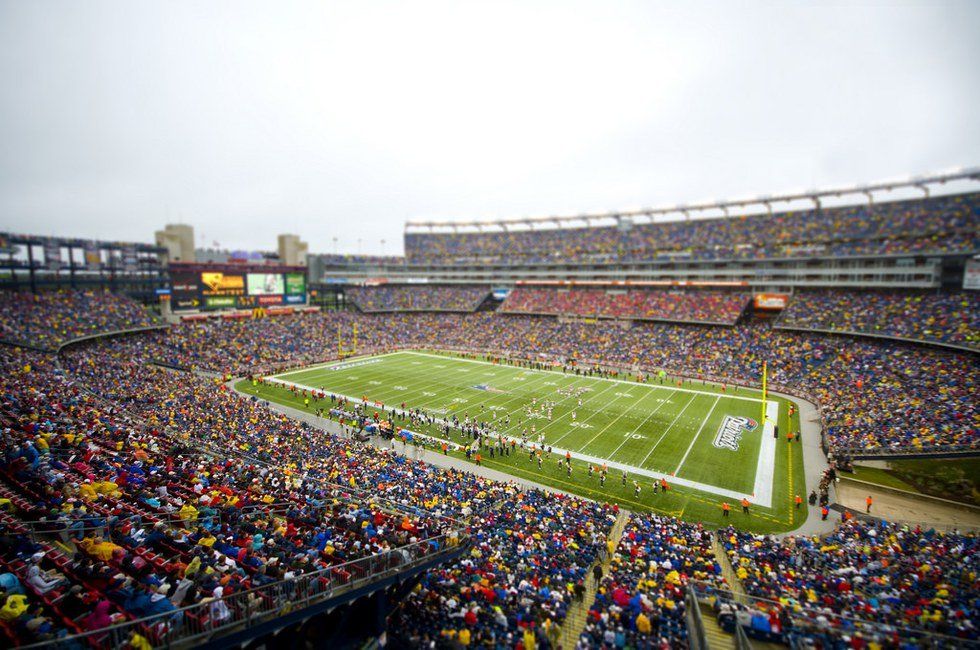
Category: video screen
[265,284]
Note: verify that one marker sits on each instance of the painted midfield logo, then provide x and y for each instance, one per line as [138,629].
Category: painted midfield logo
[731,430]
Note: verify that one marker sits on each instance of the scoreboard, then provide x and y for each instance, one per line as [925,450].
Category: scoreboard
[245,289]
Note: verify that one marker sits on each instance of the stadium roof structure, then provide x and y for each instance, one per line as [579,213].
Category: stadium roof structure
[922,183]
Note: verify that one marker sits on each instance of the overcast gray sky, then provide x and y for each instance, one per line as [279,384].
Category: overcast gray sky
[345,119]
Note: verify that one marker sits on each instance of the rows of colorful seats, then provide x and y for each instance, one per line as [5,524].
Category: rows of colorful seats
[873,394]
[704,307]
[168,490]
[943,317]
[937,225]
[48,319]
[417,297]
[155,524]
[892,575]
[516,584]
[640,603]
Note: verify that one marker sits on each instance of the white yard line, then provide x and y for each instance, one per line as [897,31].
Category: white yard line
[614,421]
[572,429]
[330,364]
[698,434]
[639,471]
[766,464]
[627,437]
[618,381]
[669,427]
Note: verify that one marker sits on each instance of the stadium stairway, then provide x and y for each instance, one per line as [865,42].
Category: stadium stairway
[578,611]
[728,572]
[714,635]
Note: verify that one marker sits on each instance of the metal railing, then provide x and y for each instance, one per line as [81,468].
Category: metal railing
[818,622]
[214,617]
[695,624]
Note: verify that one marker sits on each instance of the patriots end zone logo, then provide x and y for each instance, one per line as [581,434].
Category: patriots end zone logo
[731,430]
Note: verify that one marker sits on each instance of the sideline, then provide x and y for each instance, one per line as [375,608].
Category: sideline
[763,500]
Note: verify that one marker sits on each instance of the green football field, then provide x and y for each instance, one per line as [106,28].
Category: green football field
[711,445]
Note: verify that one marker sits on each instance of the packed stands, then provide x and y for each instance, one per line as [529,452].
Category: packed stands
[875,395]
[889,575]
[176,495]
[952,318]
[640,604]
[518,580]
[703,307]
[362,260]
[159,524]
[385,298]
[48,319]
[939,225]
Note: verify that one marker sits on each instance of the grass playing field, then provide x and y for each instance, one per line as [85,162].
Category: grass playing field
[711,445]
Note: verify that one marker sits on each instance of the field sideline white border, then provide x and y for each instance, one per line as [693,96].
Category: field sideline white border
[763,488]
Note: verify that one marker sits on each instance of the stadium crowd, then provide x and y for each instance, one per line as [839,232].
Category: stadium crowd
[170,490]
[938,225]
[873,394]
[417,297]
[948,317]
[891,575]
[515,586]
[640,603]
[679,306]
[48,319]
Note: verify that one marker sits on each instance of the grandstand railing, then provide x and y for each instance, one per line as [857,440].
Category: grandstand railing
[908,453]
[211,618]
[695,624]
[625,317]
[884,337]
[822,624]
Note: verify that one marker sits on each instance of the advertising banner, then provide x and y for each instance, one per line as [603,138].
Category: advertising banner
[265,284]
[185,290]
[773,301]
[270,300]
[295,284]
[216,283]
[295,300]
[219,301]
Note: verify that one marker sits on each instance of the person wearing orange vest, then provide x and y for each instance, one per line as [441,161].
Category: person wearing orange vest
[823,513]
[725,508]
[479,459]
[799,501]
[846,516]
[745,506]
[868,503]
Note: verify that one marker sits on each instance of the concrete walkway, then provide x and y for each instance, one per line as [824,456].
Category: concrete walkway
[814,463]
[907,508]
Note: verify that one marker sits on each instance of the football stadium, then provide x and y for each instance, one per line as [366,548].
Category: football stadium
[250,399]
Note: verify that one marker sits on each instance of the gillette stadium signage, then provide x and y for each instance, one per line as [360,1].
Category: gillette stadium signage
[731,430]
